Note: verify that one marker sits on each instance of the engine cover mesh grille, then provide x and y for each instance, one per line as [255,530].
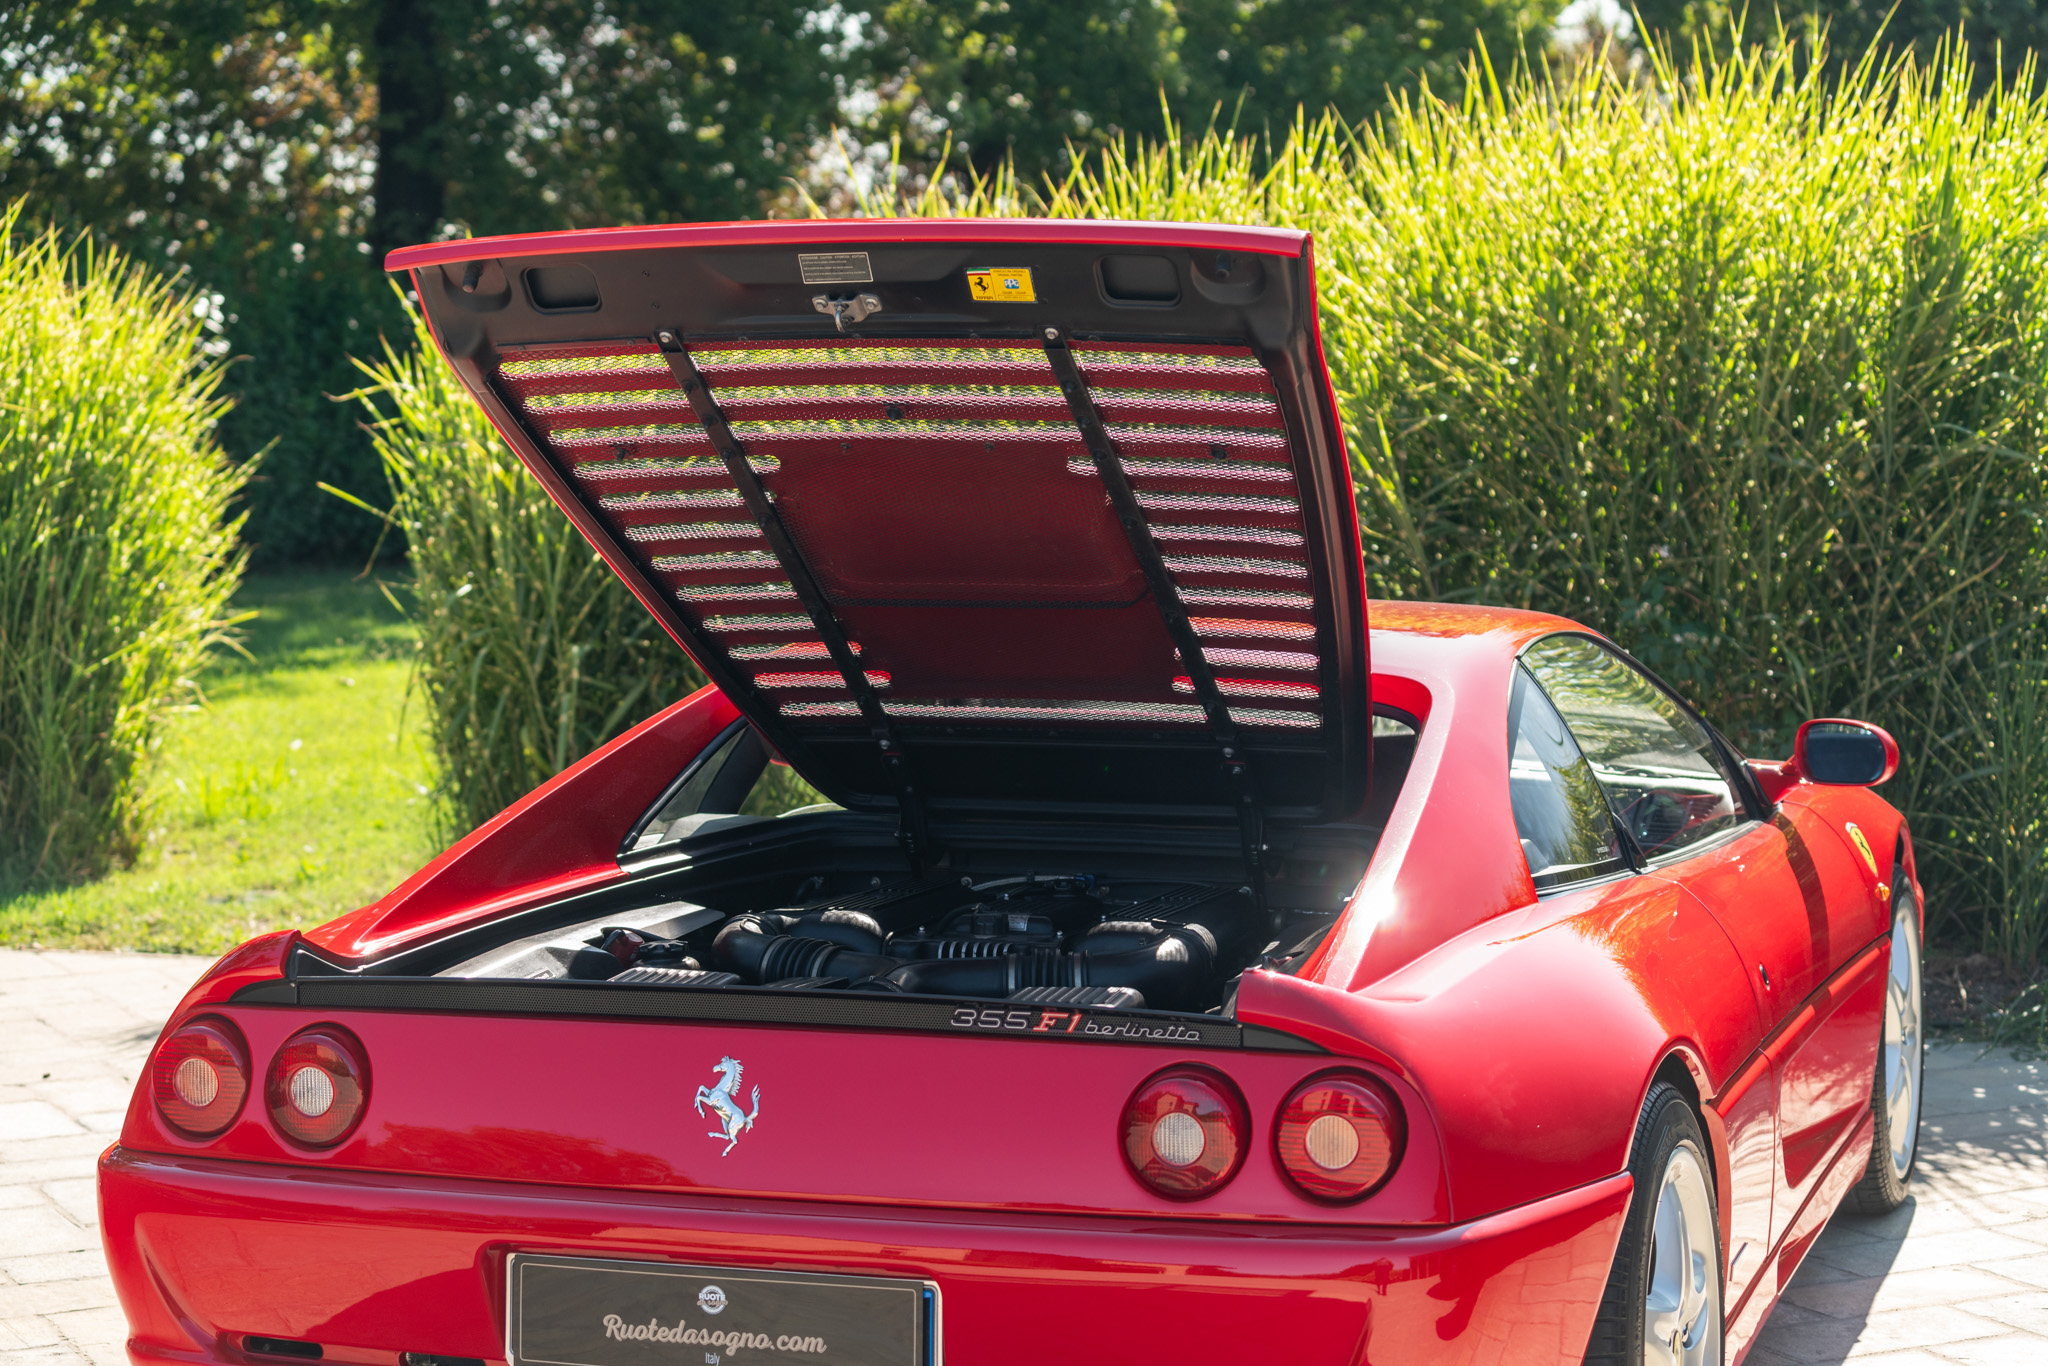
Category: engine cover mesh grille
[942,497]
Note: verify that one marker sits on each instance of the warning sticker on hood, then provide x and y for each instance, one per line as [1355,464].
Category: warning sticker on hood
[835,267]
[1001,285]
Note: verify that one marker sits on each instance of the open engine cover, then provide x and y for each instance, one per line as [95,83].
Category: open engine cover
[980,515]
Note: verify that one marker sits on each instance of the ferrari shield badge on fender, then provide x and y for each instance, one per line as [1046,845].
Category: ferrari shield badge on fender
[1001,285]
[1884,892]
[722,1098]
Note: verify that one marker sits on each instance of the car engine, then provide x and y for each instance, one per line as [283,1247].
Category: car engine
[1070,940]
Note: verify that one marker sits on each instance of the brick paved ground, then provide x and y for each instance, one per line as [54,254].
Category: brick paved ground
[1958,1277]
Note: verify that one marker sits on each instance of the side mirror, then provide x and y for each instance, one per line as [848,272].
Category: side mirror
[1832,752]
[1845,753]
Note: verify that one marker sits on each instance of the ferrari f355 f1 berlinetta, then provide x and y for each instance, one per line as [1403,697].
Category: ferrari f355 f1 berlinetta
[1071,925]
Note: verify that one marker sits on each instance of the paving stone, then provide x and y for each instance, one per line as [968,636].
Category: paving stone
[78,1197]
[41,1228]
[86,1096]
[76,1150]
[2018,1349]
[1814,1338]
[1926,1213]
[1764,1356]
[55,1297]
[1988,1097]
[52,1168]
[54,1266]
[23,1119]
[2032,1271]
[2027,1311]
[1864,1296]
[27,1332]
[55,1355]
[1962,1248]
[99,1326]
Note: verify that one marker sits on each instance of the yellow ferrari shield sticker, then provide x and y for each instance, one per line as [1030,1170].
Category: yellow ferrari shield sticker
[1862,846]
[1001,285]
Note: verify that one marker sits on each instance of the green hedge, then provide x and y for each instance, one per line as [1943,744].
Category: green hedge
[532,653]
[1748,368]
[120,550]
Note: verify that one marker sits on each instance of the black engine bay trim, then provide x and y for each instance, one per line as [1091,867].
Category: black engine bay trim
[736,1005]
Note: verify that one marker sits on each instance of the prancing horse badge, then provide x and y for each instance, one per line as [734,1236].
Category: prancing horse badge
[732,1120]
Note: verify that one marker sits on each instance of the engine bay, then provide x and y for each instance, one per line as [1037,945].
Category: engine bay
[1072,940]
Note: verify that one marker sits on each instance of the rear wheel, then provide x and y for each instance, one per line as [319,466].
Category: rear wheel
[1901,1054]
[1662,1306]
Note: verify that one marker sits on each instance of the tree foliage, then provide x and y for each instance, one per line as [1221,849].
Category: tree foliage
[1025,80]
[276,150]
[1998,36]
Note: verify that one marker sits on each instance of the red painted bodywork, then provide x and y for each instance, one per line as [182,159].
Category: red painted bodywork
[1520,1035]
[563,836]
[832,231]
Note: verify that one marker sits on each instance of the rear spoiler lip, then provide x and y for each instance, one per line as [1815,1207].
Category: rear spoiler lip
[838,231]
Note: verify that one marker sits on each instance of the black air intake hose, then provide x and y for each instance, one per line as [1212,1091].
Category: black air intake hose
[1169,964]
[774,945]
[909,948]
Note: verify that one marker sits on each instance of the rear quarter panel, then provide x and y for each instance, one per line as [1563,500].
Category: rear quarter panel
[1535,1036]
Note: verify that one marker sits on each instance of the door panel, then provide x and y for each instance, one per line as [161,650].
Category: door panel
[1775,913]
[1824,1079]
[1749,1111]
[1793,903]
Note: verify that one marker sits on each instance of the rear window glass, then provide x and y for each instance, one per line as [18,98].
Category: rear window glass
[1561,815]
[740,779]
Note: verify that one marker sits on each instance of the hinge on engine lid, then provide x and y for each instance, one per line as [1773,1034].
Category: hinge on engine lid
[1240,781]
[913,831]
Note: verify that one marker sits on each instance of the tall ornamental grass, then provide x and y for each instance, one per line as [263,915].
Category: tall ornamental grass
[531,652]
[117,538]
[1747,366]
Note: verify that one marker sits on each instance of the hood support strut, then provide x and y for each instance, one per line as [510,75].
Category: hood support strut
[913,830]
[1251,816]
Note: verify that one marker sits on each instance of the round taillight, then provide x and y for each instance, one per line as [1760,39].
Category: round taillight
[1339,1137]
[1185,1133]
[317,1086]
[200,1077]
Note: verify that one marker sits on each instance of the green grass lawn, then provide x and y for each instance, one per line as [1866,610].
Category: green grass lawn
[296,791]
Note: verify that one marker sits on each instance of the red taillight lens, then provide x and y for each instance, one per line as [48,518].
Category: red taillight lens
[200,1077]
[1185,1133]
[318,1084]
[1339,1137]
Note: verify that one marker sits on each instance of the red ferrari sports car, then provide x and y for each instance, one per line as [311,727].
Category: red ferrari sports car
[1164,957]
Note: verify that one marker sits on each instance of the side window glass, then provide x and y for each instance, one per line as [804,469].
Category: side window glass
[1560,813]
[1659,768]
[739,777]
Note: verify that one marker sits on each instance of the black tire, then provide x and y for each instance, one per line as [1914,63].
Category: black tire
[1667,1125]
[1883,1187]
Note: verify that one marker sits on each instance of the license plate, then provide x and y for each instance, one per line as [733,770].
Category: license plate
[579,1311]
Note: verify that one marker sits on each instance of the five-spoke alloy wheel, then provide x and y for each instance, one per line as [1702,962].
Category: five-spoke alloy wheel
[1682,1307]
[1895,1091]
[1662,1305]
